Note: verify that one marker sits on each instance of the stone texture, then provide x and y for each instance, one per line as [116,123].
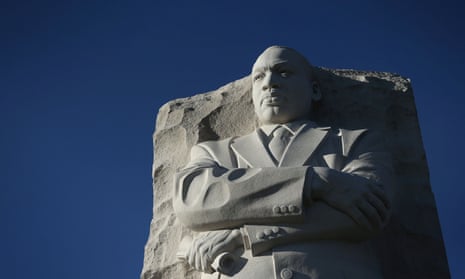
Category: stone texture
[411,245]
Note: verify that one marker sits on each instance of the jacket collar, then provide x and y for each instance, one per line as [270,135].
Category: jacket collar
[292,127]
[302,146]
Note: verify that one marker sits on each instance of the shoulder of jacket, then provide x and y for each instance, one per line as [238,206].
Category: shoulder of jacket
[218,150]
[215,144]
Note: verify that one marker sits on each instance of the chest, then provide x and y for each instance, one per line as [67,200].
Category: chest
[327,153]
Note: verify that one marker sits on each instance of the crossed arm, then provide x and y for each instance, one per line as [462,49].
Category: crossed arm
[302,203]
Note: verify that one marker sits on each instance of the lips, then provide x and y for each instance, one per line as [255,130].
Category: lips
[272,100]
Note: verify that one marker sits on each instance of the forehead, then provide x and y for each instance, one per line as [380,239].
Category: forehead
[274,56]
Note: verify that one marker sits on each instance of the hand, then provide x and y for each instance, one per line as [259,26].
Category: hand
[362,199]
[208,245]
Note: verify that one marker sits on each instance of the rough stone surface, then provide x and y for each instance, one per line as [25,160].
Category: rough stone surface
[411,245]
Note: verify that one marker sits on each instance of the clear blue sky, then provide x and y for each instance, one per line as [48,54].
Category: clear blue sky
[81,83]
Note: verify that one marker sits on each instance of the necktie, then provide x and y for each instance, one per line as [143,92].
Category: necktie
[279,142]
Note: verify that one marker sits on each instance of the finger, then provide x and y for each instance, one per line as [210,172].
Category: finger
[371,213]
[191,255]
[379,192]
[236,235]
[203,252]
[232,240]
[198,261]
[213,239]
[379,205]
[193,251]
[229,244]
[221,236]
[359,218]
[218,242]
[218,249]
[206,260]
[208,264]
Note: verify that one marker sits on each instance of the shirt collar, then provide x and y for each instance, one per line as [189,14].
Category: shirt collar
[293,127]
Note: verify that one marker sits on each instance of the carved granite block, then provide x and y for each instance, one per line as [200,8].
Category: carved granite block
[411,246]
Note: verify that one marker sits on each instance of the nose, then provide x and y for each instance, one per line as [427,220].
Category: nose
[270,82]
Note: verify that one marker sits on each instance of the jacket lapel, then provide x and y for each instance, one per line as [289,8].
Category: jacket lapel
[303,146]
[300,149]
[348,139]
[251,149]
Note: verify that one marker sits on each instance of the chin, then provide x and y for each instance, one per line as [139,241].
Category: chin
[274,119]
[276,115]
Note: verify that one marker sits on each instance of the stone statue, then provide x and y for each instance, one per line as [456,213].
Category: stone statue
[292,199]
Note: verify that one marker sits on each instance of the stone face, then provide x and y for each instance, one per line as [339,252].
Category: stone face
[411,245]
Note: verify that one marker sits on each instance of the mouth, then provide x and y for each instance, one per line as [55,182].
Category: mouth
[273,100]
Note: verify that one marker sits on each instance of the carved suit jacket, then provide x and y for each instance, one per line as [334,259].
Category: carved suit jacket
[234,183]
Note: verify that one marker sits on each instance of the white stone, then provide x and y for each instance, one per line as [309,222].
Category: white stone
[411,245]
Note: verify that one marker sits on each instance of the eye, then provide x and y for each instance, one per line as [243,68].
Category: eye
[284,73]
[258,76]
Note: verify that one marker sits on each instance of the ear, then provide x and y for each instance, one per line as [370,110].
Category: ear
[316,92]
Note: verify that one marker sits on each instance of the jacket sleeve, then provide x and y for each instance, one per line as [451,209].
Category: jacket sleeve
[209,196]
[268,203]
[322,222]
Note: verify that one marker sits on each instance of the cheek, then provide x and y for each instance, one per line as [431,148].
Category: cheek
[257,107]
[301,102]
[255,97]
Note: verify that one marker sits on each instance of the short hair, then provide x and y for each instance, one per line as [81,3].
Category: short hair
[307,63]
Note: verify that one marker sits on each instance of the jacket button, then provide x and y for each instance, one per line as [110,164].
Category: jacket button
[284,209]
[277,209]
[286,273]
[293,208]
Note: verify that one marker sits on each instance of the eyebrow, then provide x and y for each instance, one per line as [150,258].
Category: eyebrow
[274,66]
